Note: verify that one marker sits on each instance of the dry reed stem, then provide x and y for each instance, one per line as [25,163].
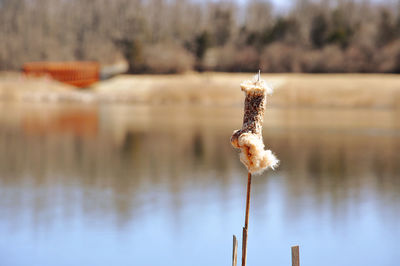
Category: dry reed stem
[246,221]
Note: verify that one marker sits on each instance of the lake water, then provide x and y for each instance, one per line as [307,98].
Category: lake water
[144,185]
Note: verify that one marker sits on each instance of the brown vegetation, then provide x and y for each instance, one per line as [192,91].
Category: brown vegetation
[290,90]
[159,36]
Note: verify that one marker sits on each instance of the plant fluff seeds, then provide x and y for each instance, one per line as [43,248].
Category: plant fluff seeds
[249,138]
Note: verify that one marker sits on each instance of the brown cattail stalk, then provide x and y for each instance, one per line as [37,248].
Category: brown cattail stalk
[246,221]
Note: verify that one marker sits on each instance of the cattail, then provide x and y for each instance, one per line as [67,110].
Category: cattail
[249,139]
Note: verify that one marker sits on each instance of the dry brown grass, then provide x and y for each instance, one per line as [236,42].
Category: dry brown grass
[339,90]
[17,87]
[291,90]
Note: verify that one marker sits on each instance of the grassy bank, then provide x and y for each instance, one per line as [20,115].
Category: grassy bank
[291,90]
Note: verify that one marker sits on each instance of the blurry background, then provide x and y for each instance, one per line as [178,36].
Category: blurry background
[137,168]
[167,36]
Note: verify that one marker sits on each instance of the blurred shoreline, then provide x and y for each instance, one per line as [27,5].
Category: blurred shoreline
[213,88]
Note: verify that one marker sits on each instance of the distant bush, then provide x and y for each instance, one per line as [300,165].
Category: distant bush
[279,57]
[167,59]
[328,60]
[219,58]
[388,58]
[246,60]
[358,58]
[230,58]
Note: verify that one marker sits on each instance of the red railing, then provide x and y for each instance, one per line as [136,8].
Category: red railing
[79,74]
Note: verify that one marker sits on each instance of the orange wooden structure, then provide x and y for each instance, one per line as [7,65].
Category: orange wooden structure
[79,74]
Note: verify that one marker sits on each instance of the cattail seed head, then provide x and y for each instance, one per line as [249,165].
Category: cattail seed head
[249,139]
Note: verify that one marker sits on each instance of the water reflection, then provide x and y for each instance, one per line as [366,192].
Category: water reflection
[149,178]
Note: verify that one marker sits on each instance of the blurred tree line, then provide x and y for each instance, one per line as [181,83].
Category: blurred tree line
[170,36]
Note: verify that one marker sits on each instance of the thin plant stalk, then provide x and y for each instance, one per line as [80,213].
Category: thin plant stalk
[246,221]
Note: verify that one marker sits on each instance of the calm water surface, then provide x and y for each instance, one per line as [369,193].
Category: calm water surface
[142,185]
